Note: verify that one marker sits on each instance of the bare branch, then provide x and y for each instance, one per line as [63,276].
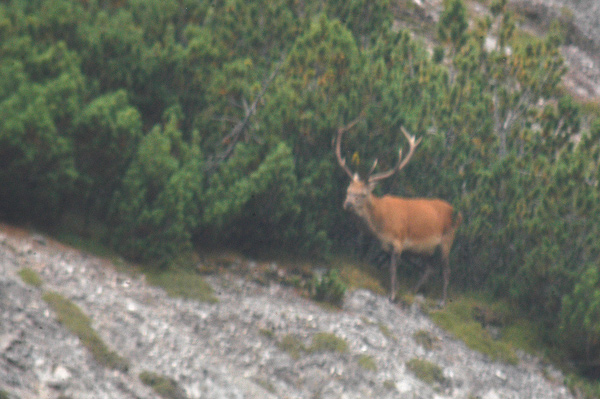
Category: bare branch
[240,128]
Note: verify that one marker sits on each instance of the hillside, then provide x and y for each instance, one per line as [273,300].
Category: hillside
[159,127]
[239,347]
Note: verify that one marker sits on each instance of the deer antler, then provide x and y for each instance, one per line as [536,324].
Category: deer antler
[413,143]
[338,146]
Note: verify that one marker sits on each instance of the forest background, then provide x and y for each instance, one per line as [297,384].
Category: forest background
[176,124]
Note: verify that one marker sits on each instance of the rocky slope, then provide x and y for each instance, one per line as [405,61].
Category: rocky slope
[580,17]
[581,52]
[229,349]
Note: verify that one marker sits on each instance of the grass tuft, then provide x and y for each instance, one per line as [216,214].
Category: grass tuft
[165,387]
[31,277]
[426,339]
[428,372]
[328,342]
[367,362]
[362,276]
[321,342]
[267,332]
[292,345]
[385,330]
[266,385]
[182,283]
[73,318]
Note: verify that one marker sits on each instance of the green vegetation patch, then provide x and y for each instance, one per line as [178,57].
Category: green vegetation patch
[367,362]
[182,283]
[321,342]
[328,342]
[583,388]
[266,385]
[385,330]
[459,318]
[426,371]
[4,394]
[292,345]
[73,318]
[426,339]
[31,277]
[165,387]
[527,336]
[267,332]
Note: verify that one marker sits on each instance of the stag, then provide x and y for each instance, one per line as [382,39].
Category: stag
[416,225]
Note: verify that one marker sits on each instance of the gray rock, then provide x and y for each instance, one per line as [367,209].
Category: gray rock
[221,350]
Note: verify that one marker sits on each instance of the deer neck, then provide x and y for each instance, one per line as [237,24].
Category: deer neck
[367,212]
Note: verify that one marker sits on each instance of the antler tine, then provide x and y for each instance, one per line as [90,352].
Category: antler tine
[373,167]
[338,147]
[413,143]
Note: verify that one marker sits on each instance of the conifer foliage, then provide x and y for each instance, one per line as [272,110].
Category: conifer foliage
[183,122]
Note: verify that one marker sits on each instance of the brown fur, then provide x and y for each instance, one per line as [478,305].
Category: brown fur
[417,225]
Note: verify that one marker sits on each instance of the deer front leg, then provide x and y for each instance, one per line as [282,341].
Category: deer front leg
[393,265]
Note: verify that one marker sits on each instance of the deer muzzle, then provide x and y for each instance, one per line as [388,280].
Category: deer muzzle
[347,205]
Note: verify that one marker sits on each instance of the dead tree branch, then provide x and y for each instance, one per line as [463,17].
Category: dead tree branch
[241,127]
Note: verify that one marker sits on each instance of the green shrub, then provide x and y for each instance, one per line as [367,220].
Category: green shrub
[252,199]
[106,134]
[580,319]
[157,208]
[329,288]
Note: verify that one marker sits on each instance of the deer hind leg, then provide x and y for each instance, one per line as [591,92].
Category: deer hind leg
[446,269]
[424,277]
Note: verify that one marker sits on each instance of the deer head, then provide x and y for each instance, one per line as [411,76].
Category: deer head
[360,191]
